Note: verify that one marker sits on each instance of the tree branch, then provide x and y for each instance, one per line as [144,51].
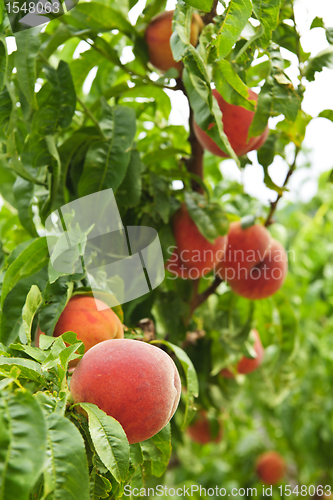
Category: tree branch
[202,297]
[208,18]
[274,204]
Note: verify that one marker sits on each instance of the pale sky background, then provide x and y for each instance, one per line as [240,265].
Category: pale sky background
[318,96]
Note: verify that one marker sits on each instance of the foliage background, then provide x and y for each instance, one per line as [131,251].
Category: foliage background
[55,139]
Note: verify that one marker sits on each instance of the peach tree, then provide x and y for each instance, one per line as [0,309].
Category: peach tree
[82,110]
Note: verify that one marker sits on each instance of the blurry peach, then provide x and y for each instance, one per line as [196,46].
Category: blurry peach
[194,256]
[254,264]
[270,467]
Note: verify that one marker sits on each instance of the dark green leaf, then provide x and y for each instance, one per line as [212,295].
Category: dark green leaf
[23,445]
[28,43]
[66,468]
[107,161]
[109,440]
[230,86]
[129,192]
[323,59]
[236,17]
[204,5]
[30,261]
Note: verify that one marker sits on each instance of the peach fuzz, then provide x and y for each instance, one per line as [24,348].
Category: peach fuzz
[158,34]
[248,365]
[254,265]
[90,324]
[134,382]
[270,467]
[200,430]
[194,256]
[236,123]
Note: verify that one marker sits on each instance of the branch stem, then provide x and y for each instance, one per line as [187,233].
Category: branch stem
[292,167]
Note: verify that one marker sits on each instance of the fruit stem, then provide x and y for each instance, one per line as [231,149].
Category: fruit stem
[274,204]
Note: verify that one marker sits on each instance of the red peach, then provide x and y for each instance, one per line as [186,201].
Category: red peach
[236,123]
[90,324]
[134,382]
[158,36]
[195,256]
[254,265]
[270,467]
[248,365]
[201,432]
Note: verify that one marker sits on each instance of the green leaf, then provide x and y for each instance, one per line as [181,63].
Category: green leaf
[236,17]
[31,306]
[56,296]
[274,99]
[23,445]
[24,192]
[267,12]
[100,486]
[60,80]
[205,108]
[317,23]
[29,369]
[66,468]
[209,217]
[3,61]
[28,43]
[204,5]
[107,161]
[109,440]
[323,59]
[99,17]
[129,192]
[32,259]
[327,113]
[230,86]
[157,450]
[162,100]
[11,316]
[6,109]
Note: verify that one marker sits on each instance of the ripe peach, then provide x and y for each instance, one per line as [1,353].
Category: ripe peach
[254,264]
[194,256]
[136,383]
[270,467]
[158,36]
[248,365]
[236,123]
[201,432]
[90,324]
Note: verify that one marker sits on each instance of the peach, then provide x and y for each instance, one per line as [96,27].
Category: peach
[158,35]
[201,432]
[90,324]
[248,365]
[270,467]
[134,382]
[236,123]
[194,256]
[254,264]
